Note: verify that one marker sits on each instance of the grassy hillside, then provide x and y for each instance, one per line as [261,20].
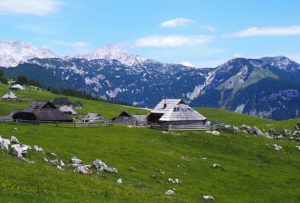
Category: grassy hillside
[251,170]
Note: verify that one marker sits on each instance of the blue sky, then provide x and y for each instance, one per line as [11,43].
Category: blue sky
[203,33]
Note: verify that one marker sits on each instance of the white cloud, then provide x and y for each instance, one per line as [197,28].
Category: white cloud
[176,22]
[211,28]
[268,31]
[186,63]
[33,7]
[172,40]
[79,44]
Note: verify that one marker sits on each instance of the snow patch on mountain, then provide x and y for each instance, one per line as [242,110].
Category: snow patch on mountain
[13,53]
[240,108]
[111,52]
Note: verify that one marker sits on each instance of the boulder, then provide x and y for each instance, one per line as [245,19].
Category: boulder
[19,151]
[101,166]
[54,162]
[53,154]
[46,160]
[170,192]
[61,162]
[208,197]
[298,148]
[14,140]
[85,169]
[247,128]
[298,125]
[59,167]
[287,132]
[4,143]
[214,132]
[215,165]
[257,131]
[277,147]
[76,161]
[38,149]
[119,181]
[174,181]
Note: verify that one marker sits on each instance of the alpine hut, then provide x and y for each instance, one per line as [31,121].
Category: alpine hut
[129,119]
[77,105]
[9,96]
[62,101]
[93,118]
[17,87]
[176,114]
[42,111]
[68,110]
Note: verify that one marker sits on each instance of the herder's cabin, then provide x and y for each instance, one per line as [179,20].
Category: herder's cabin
[62,101]
[9,96]
[77,105]
[42,111]
[129,119]
[93,118]
[17,87]
[68,110]
[176,114]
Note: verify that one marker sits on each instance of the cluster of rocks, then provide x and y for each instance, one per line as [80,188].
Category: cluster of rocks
[271,134]
[20,150]
[174,181]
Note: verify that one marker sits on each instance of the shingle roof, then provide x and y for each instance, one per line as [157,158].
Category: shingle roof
[45,111]
[10,95]
[18,86]
[182,112]
[166,105]
[59,101]
[68,109]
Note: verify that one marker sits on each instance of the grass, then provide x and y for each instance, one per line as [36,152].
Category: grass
[251,170]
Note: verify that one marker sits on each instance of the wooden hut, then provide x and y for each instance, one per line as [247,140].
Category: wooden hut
[77,105]
[93,118]
[17,87]
[129,119]
[9,96]
[62,101]
[42,111]
[176,114]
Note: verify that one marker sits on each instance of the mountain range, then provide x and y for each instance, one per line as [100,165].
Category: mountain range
[267,87]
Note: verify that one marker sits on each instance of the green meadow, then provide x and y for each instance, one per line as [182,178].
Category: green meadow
[251,170]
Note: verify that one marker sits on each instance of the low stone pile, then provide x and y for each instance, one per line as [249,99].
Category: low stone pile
[101,166]
[254,131]
[174,181]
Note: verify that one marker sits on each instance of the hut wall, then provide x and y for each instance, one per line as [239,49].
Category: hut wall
[184,124]
[125,120]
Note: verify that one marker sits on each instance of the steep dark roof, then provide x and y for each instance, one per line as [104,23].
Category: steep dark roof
[59,101]
[77,104]
[43,111]
[123,114]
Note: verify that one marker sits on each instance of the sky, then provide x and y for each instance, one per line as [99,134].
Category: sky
[200,33]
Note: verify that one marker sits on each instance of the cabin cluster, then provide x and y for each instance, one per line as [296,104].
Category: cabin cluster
[11,95]
[170,114]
